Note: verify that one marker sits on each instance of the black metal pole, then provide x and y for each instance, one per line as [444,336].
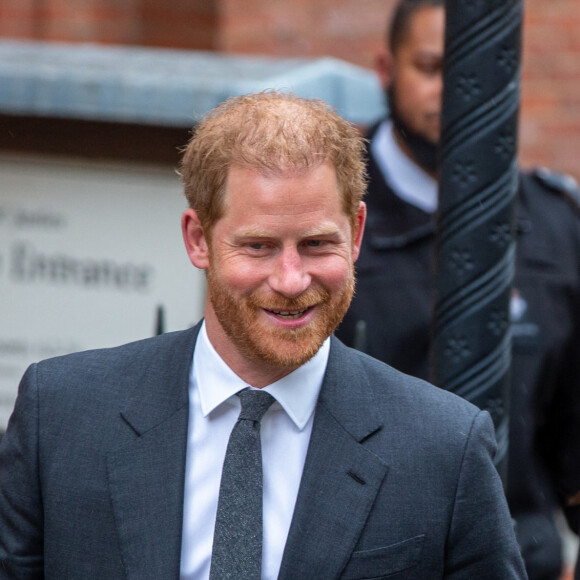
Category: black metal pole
[478,184]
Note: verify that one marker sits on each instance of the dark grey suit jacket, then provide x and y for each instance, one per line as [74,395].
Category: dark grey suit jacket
[398,481]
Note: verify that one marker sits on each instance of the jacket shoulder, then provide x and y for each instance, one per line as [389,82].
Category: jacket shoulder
[120,369]
[554,183]
[407,396]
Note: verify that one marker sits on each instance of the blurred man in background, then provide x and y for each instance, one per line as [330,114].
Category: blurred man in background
[390,315]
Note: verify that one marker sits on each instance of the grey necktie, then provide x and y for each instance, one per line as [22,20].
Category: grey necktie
[237,540]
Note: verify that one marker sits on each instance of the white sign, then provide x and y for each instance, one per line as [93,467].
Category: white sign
[88,254]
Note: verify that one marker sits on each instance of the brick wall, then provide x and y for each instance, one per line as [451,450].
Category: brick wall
[170,23]
[348,29]
[550,112]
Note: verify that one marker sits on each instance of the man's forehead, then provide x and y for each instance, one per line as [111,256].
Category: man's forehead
[426,28]
[280,174]
[318,202]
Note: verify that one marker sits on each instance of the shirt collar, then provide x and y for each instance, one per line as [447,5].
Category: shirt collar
[297,392]
[405,177]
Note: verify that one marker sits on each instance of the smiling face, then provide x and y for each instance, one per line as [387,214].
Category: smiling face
[279,268]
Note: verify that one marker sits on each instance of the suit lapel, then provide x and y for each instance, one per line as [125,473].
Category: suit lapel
[341,477]
[147,471]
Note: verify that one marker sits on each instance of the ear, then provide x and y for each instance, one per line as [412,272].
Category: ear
[194,239]
[359,230]
[384,64]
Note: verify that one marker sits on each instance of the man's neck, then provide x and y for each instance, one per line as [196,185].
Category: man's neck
[405,177]
[404,146]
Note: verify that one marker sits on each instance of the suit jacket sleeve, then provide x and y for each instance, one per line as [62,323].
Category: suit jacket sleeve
[21,525]
[481,541]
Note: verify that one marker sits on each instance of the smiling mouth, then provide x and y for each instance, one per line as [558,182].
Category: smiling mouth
[289,314]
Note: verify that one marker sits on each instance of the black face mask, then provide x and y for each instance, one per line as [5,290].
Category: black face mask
[424,152]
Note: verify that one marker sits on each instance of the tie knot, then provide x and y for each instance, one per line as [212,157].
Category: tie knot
[254,404]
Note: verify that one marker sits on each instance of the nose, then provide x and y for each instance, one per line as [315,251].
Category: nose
[289,276]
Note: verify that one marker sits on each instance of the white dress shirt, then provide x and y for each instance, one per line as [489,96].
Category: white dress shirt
[286,428]
[409,181]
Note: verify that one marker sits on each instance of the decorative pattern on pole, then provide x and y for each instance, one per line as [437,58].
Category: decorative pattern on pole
[478,185]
